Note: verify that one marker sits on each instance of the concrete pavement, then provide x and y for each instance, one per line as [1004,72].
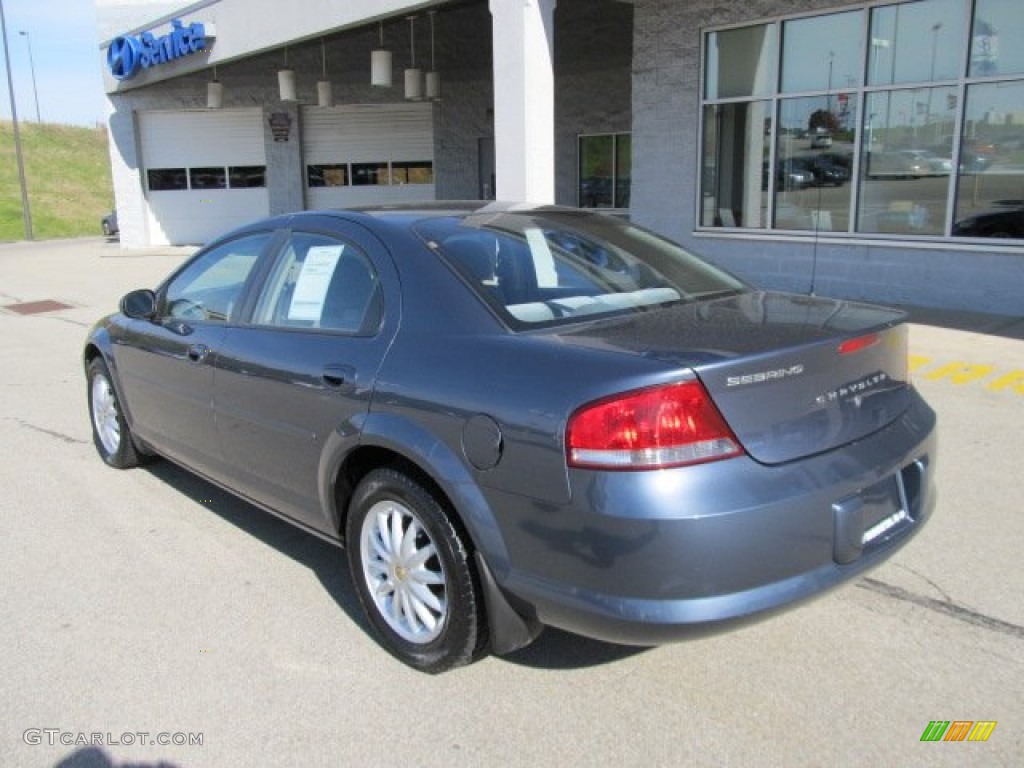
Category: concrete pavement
[150,602]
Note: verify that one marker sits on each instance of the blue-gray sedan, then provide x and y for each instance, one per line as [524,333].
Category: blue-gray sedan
[517,416]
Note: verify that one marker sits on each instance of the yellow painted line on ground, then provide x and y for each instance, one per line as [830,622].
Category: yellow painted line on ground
[959,373]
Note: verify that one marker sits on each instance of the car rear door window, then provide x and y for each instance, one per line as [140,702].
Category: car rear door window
[321,282]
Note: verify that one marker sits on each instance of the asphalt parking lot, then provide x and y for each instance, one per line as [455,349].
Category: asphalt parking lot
[146,611]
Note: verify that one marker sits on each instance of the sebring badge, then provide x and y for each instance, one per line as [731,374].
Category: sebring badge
[762,376]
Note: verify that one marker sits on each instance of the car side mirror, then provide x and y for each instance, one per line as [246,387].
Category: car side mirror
[139,305]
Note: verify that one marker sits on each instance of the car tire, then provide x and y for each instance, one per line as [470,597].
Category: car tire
[110,432]
[106,230]
[414,573]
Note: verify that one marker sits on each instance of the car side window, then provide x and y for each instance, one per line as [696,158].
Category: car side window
[209,288]
[321,282]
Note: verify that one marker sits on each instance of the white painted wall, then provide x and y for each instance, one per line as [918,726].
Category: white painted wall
[524,99]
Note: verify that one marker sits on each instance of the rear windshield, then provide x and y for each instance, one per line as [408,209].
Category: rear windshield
[548,267]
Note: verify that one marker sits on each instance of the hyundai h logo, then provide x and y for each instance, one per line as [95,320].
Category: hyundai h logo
[128,54]
[123,57]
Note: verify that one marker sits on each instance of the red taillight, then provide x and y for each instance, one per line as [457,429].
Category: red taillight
[850,346]
[666,426]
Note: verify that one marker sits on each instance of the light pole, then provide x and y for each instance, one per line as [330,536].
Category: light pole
[25,212]
[931,76]
[32,68]
[831,58]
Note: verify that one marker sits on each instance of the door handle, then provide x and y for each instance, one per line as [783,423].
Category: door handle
[198,353]
[341,378]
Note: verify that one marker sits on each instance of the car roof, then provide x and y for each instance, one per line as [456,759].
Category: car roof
[403,215]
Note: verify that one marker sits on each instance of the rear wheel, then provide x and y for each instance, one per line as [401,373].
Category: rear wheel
[413,572]
[110,431]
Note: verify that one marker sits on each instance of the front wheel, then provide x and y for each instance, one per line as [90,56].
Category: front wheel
[110,431]
[413,573]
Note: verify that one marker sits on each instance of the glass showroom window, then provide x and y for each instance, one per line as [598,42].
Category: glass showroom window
[605,170]
[906,161]
[907,142]
[816,134]
[990,168]
[990,178]
[902,119]
[813,158]
[740,65]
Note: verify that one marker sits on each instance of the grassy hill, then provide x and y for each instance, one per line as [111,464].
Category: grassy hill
[67,170]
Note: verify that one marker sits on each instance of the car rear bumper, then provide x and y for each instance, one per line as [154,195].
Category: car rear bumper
[649,557]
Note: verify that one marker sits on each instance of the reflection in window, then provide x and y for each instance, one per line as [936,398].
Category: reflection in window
[327,175]
[369,174]
[605,170]
[741,62]
[813,157]
[995,40]
[623,168]
[247,176]
[905,161]
[412,173]
[208,178]
[916,42]
[162,179]
[822,52]
[990,179]
[735,164]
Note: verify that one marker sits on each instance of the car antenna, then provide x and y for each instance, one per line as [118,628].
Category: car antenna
[814,248]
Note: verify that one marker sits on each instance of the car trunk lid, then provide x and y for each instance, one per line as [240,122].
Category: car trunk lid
[792,375]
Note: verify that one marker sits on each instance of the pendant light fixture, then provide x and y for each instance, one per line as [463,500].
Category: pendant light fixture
[324,89]
[214,92]
[286,81]
[380,63]
[413,76]
[433,80]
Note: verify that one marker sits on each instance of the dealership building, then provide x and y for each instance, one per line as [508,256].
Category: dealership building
[866,150]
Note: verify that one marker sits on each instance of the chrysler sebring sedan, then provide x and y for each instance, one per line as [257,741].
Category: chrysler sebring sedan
[515,416]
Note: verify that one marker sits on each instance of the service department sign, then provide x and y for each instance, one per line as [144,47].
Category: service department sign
[128,54]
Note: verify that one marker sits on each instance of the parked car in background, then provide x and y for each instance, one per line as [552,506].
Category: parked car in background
[937,166]
[1004,220]
[894,165]
[824,172]
[843,160]
[821,141]
[109,224]
[788,176]
[515,416]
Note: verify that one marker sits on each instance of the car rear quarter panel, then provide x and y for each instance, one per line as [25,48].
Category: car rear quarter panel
[527,386]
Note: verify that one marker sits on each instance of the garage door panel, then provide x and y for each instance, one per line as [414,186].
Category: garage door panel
[214,137]
[387,135]
[368,134]
[217,139]
[345,197]
[195,217]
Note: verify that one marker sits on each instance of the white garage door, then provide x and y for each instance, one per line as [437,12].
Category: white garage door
[204,172]
[368,154]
